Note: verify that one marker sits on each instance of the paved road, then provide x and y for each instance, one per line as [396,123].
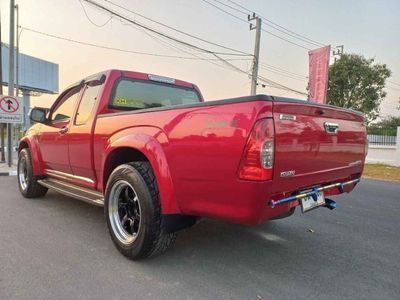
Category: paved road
[59,248]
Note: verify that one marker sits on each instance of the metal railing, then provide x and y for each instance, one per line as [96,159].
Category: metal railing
[382,136]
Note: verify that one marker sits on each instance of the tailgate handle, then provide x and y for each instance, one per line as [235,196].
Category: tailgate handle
[331,128]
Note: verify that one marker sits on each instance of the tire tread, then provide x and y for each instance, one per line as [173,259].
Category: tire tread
[161,239]
[34,189]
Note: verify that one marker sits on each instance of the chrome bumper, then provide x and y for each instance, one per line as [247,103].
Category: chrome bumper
[313,192]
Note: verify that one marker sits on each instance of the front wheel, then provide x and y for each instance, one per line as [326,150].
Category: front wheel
[27,181]
[133,212]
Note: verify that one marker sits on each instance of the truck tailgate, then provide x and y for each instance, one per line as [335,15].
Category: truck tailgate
[308,151]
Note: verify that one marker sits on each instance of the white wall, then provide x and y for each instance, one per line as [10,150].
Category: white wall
[389,155]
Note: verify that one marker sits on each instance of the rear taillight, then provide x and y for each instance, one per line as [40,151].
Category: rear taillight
[258,156]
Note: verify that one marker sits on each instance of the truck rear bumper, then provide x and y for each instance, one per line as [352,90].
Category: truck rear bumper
[252,202]
[313,192]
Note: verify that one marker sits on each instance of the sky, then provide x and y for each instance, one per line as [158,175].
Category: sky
[370,28]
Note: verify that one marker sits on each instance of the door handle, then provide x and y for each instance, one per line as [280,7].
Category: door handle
[63,130]
[331,128]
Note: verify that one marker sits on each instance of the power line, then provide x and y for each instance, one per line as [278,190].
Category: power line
[118,49]
[215,54]
[284,74]
[274,26]
[176,30]
[231,7]
[392,82]
[286,40]
[176,40]
[267,66]
[278,85]
[90,20]
[264,30]
[277,25]
[169,45]
[227,12]
[196,57]
[263,79]
[393,88]
[106,9]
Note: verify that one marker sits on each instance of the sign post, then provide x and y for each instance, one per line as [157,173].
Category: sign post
[11,110]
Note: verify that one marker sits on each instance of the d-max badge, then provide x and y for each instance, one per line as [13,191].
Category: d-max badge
[288,173]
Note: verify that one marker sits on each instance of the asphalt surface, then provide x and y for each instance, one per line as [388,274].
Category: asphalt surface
[59,248]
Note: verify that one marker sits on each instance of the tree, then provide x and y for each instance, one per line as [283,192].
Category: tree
[389,124]
[357,83]
[390,121]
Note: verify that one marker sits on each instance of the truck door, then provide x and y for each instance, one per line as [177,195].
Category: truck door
[80,136]
[53,135]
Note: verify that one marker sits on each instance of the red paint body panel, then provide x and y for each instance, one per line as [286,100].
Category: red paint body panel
[195,150]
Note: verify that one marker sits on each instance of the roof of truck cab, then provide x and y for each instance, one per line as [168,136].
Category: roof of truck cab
[131,74]
[145,76]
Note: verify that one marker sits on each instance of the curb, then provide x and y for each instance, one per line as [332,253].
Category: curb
[10,173]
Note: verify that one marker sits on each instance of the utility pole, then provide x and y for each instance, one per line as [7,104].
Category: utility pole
[2,126]
[338,52]
[11,79]
[17,52]
[254,74]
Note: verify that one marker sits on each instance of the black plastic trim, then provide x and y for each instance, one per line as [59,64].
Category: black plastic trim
[291,100]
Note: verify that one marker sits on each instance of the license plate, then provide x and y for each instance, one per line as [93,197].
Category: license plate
[308,203]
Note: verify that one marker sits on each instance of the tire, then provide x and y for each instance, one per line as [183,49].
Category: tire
[133,212]
[27,181]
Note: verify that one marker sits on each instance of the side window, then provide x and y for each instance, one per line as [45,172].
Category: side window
[87,103]
[65,110]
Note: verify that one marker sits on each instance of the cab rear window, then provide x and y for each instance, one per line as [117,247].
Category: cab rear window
[137,94]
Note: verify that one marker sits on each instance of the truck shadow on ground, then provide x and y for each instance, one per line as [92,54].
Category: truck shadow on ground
[209,246]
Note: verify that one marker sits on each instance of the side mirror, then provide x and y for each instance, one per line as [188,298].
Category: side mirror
[38,114]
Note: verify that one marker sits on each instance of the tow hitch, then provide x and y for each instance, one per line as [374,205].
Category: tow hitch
[314,194]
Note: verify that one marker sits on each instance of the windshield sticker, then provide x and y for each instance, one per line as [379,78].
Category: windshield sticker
[127,102]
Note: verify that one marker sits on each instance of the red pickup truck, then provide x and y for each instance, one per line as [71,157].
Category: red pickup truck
[158,157]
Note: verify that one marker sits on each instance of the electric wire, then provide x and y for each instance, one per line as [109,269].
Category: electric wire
[90,20]
[268,66]
[108,10]
[274,26]
[262,29]
[177,30]
[231,66]
[215,54]
[196,57]
[116,49]
[277,25]
[392,82]
[173,39]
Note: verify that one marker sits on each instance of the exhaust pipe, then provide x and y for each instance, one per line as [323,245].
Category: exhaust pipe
[330,204]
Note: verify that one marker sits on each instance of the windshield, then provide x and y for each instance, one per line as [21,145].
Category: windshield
[136,94]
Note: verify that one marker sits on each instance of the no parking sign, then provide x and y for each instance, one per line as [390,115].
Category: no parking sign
[11,110]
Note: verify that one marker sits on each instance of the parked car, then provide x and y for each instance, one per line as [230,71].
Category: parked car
[158,157]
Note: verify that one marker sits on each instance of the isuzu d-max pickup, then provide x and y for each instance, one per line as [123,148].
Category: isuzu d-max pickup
[158,158]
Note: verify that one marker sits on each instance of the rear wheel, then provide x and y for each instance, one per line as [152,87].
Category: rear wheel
[133,212]
[27,181]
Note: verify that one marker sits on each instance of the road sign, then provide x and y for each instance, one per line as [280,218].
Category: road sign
[11,110]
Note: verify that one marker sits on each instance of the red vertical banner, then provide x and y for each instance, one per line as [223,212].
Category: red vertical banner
[318,74]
